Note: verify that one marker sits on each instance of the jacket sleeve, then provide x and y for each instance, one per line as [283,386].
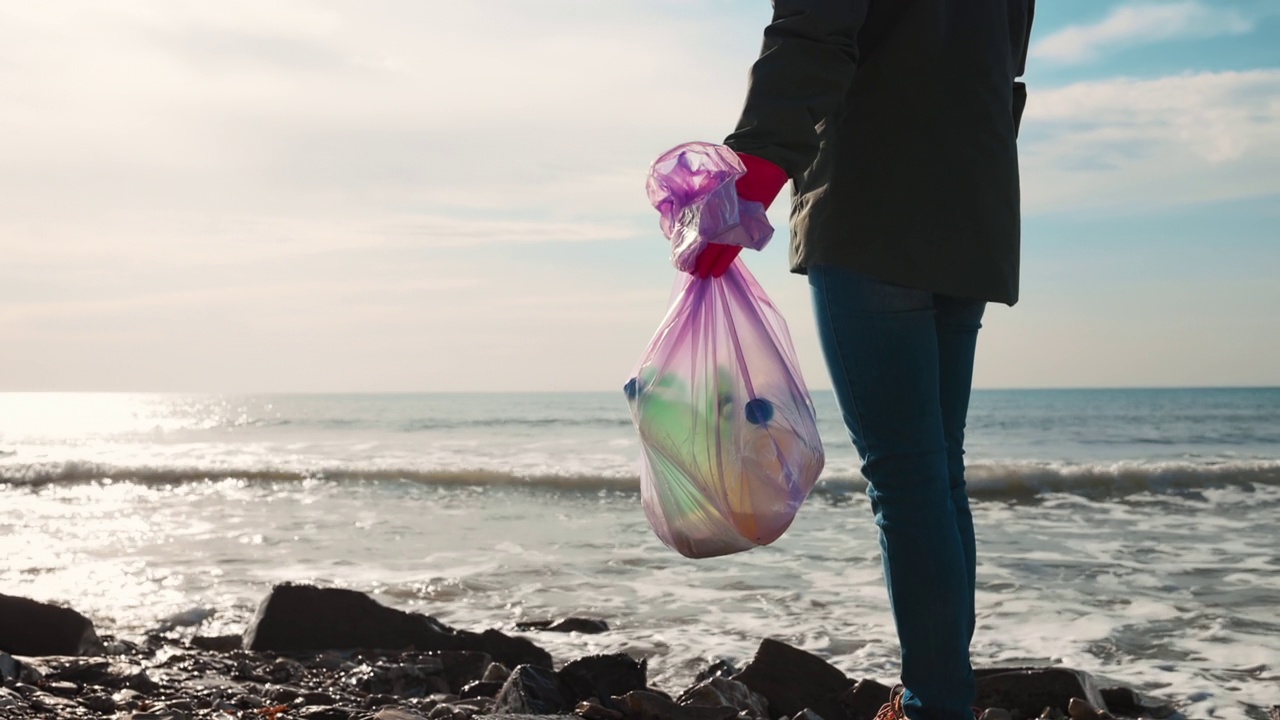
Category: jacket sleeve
[807,62]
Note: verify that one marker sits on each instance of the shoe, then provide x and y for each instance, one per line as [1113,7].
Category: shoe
[892,710]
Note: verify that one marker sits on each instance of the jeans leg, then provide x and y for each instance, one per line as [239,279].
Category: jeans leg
[958,321]
[881,345]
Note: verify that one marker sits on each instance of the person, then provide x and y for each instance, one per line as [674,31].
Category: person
[896,123]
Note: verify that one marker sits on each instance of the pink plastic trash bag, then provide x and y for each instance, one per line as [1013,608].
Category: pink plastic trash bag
[731,446]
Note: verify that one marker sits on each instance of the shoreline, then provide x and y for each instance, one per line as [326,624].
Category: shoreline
[294,661]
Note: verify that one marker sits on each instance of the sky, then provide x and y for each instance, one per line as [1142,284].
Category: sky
[413,195]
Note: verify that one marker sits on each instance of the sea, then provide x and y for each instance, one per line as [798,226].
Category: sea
[1129,533]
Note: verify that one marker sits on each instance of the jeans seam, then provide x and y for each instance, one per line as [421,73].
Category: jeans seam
[844,371]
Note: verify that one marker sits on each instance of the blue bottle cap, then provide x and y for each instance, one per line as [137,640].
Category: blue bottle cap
[759,411]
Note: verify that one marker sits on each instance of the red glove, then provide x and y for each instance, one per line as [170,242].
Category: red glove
[761,183]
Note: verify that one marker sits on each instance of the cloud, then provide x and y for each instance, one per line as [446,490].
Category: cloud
[1142,23]
[1141,144]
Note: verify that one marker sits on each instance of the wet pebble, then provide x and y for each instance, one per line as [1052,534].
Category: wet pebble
[99,702]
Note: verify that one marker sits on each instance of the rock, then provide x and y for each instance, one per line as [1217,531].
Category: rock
[33,628]
[481,689]
[1022,691]
[646,705]
[402,680]
[397,714]
[161,714]
[1127,702]
[792,680]
[281,694]
[462,668]
[1122,701]
[807,714]
[586,626]
[447,712]
[719,668]
[496,672]
[602,677]
[329,660]
[98,702]
[251,702]
[719,691]
[126,696]
[475,706]
[52,703]
[301,618]
[8,667]
[517,716]
[315,697]
[1079,709]
[995,714]
[217,643]
[371,702]
[324,712]
[10,699]
[113,674]
[62,687]
[1274,713]
[507,650]
[864,699]
[534,690]
[590,710]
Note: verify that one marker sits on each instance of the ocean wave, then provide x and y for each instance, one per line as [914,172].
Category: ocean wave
[511,422]
[985,479]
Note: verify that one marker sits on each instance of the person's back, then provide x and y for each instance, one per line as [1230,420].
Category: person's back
[896,121]
[902,140]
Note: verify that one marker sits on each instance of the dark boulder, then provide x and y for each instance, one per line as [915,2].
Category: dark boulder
[34,628]
[864,700]
[462,668]
[792,680]
[217,643]
[1128,703]
[532,690]
[305,618]
[602,677]
[510,651]
[1025,692]
[720,691]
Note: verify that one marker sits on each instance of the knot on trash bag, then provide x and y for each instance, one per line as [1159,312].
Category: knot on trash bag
[693,188]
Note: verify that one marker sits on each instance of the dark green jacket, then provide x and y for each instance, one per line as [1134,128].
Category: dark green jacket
[896,121]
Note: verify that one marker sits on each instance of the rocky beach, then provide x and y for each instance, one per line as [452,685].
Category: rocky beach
[334,654]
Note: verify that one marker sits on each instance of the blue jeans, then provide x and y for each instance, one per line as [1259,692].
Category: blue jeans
[901,361]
